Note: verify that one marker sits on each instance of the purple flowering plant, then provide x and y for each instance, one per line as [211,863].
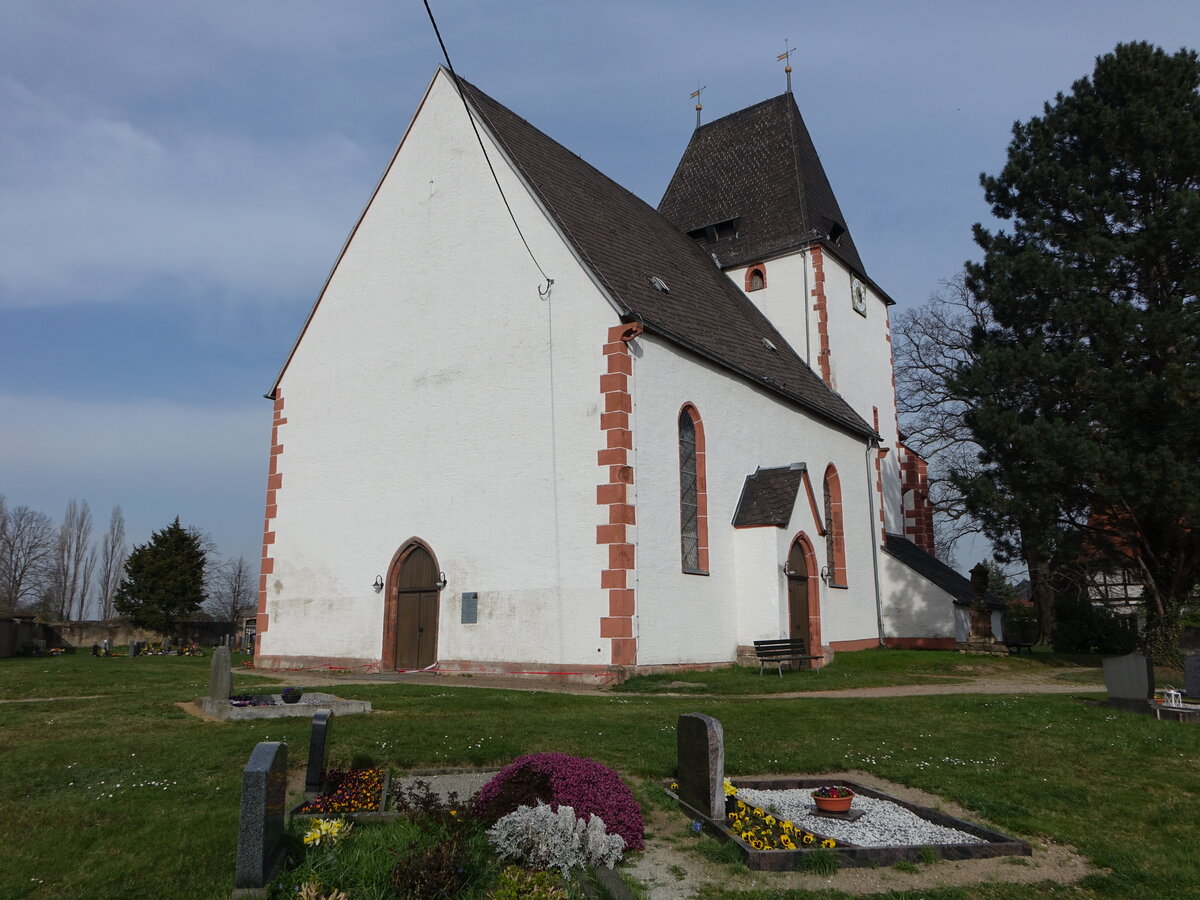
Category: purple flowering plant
[588,787]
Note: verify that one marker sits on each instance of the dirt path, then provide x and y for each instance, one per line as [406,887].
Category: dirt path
[987,683]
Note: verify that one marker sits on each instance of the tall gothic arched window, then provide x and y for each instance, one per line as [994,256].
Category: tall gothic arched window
[835,537]
[693,494]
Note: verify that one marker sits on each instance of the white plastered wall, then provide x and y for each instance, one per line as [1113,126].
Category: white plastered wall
[436,395]
[913,606]
[698,618]
[860,358]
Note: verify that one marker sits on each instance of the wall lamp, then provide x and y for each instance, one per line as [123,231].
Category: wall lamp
[825,573]
[378,585]
[441,582]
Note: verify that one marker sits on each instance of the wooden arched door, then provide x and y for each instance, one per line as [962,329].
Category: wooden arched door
[804,602]
[416,603]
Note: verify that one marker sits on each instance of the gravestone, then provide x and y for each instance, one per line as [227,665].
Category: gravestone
[318,752]
[700,773]
[133,649]
[260,847]
[1191,675]
[1130,682]
[220,678]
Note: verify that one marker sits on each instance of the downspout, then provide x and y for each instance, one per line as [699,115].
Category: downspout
[804,302]
[872,445]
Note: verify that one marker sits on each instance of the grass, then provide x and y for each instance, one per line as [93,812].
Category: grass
[124,795]
[869,668]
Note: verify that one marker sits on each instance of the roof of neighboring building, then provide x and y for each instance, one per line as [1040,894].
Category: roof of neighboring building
[759,169]
[930,568]
[626,243]
[768,496]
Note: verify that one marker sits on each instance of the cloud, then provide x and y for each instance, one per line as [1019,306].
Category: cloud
[155,459]
[99,207]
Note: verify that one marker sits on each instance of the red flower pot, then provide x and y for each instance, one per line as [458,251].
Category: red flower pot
[834,804]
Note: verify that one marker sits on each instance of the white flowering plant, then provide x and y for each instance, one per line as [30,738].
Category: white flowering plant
[542,838]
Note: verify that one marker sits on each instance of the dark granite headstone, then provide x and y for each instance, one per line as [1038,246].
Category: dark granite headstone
[220,678]
[260,848]
[1191,675]
[318,751]
[700,750]
[1130,681]
[133,649]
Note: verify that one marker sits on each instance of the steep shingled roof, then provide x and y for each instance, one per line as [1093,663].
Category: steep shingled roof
[626,242]
[759,168]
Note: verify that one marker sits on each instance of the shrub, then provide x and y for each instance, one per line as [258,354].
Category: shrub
[1081,626]
[589,788]
[419,803]
[441,870]
[547,839]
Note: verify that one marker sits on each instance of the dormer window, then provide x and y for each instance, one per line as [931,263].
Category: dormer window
[717,231]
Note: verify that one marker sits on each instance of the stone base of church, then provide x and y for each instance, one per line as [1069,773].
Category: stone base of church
[341,664]
[982,647]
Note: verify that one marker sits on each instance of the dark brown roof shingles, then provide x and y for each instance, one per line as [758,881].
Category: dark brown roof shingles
[626,242]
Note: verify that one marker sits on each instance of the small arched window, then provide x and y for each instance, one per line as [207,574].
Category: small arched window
[835,536]
[756,278]
[693,493]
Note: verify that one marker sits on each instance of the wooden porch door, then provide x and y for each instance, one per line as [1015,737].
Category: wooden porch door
[797,584]
[416,609]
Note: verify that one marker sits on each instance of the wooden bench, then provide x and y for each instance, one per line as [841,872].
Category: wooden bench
[1019,647]
[776,653]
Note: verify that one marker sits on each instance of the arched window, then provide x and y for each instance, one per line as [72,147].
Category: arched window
[835,535]
[693,493]
[756,278]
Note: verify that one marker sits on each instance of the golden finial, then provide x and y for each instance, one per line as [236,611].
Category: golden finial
[787,55]
[696,96]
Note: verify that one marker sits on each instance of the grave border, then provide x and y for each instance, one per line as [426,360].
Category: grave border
[853,856]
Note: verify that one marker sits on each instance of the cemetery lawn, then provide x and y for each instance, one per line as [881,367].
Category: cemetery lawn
[114,791]
[871,668]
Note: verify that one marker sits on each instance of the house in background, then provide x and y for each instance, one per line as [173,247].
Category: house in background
[614,440]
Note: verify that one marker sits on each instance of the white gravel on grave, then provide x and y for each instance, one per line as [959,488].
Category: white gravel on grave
[884,824]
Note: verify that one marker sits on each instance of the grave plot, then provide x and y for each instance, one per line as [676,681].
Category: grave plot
[288,703]
[774,822]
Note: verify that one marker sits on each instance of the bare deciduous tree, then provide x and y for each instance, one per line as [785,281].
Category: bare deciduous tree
[113,551]
[74,561]
[232,590]
[930,342]
[27,544]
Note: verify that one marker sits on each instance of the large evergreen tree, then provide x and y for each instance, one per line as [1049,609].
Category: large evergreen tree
[1085,394]
[164,578]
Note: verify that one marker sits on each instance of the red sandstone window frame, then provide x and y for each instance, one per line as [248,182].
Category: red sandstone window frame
[835,532]
[761,271]
[693,493]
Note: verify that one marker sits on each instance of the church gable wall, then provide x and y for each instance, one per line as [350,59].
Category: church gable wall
[436,395]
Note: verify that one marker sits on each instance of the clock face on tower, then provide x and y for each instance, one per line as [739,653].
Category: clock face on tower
[858,296]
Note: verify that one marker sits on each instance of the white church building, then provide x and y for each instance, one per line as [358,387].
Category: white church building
[616,440]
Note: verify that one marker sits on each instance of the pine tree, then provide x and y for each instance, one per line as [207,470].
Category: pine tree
[1085,394]
[164,579]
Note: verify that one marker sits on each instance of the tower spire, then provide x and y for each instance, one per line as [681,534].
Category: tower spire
[696,96]
[787,55]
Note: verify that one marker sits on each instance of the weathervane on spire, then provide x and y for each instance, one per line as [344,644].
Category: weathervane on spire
[696,96]
[787,55]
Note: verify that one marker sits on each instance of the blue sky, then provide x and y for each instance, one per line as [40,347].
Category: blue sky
[177,178]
